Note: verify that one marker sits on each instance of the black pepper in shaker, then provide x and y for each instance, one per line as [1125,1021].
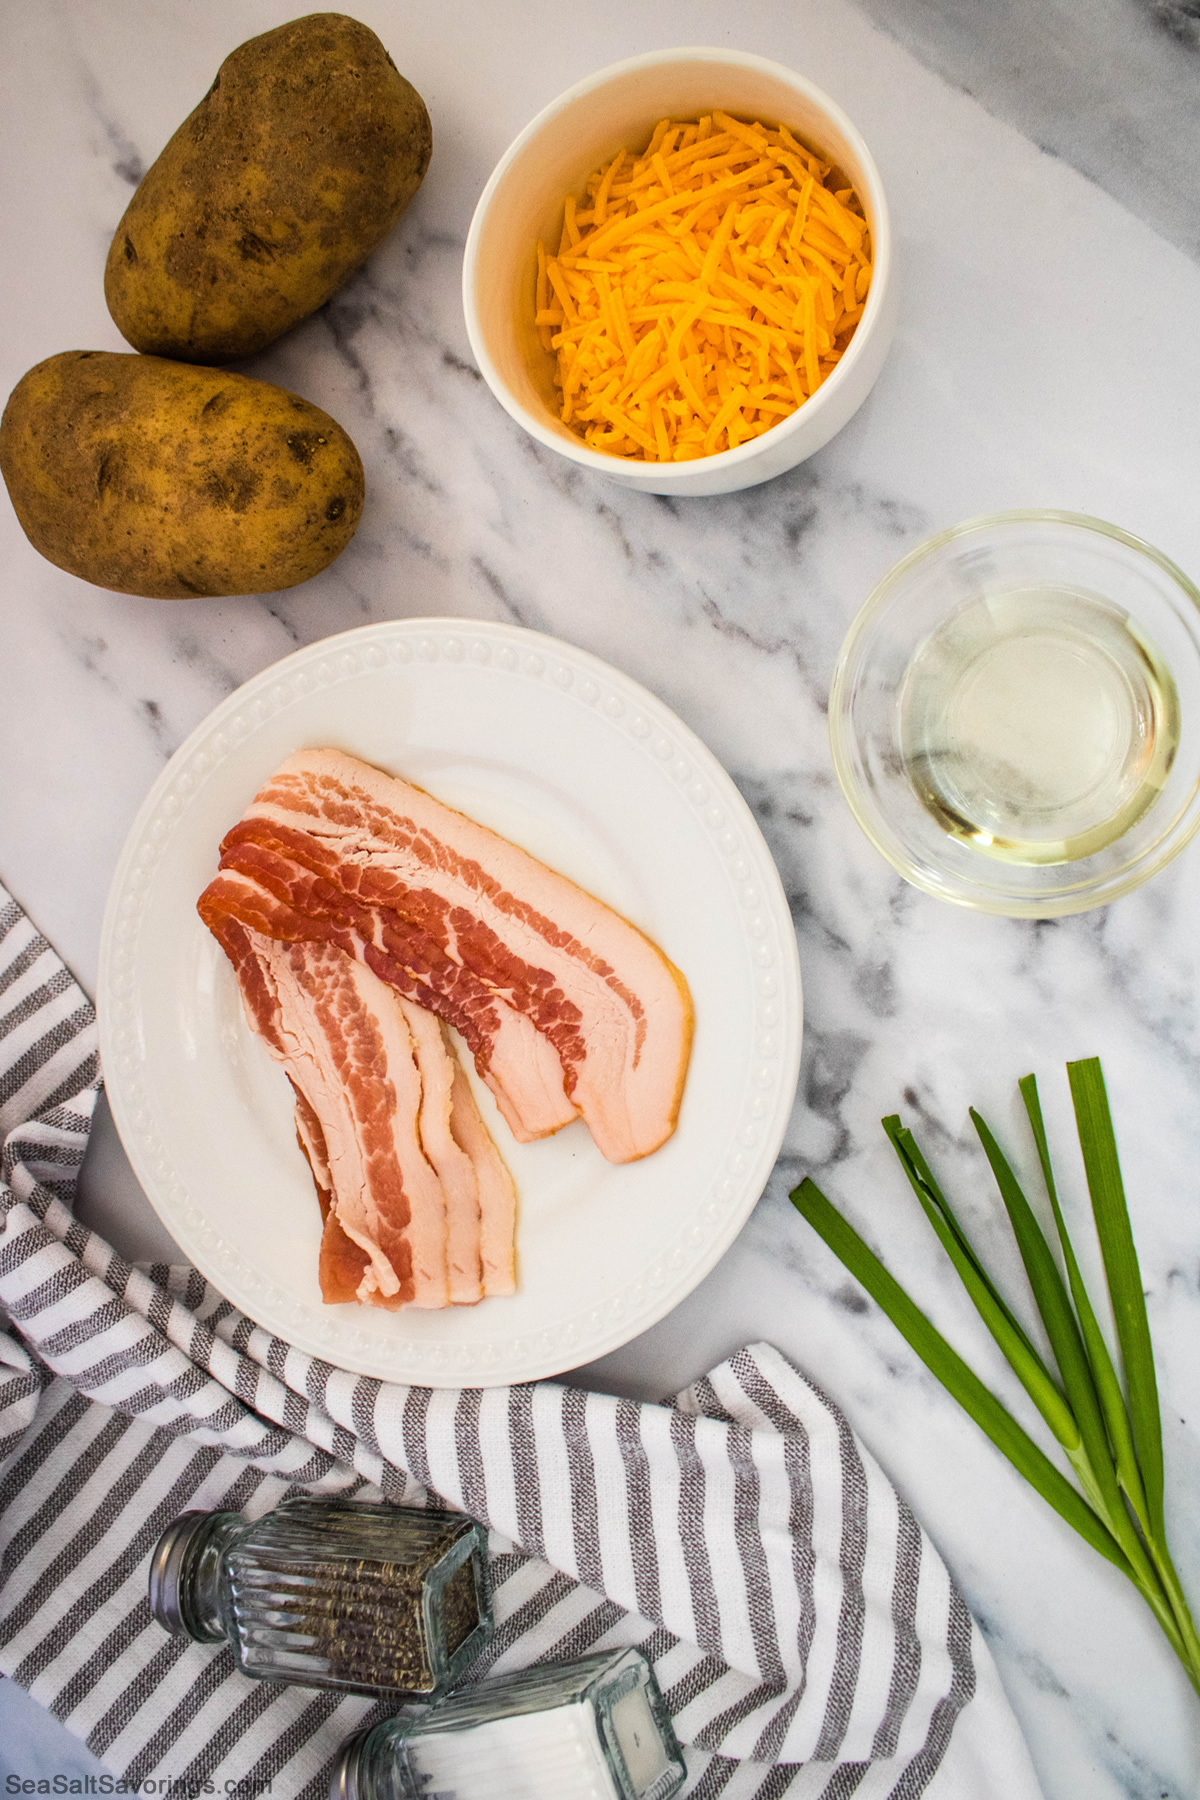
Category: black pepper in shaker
[330,1593]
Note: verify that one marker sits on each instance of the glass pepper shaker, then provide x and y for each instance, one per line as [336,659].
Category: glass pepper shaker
[330,1593]
[596,1729]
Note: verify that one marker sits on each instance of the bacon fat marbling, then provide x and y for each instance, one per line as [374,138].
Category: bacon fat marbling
[566,1007]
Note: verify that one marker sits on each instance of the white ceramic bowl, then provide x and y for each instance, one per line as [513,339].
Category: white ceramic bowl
[578,132]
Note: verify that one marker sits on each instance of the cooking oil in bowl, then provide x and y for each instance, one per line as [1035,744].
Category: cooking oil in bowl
[1038,724]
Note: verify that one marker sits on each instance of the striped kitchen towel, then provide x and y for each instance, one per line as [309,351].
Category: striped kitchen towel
[806,1635]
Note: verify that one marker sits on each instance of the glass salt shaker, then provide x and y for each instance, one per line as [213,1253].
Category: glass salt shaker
[330,1593]
[596,1729]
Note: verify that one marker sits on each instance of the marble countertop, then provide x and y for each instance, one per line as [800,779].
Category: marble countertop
[1047,355]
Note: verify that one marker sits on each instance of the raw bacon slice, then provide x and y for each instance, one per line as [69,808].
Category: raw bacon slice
[454,1167]
[348,1051]
[342,1263]
[464,922]
[497,1192]
[276,894]
[371,1042]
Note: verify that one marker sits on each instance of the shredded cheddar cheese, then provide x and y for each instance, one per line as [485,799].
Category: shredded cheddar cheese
[702,291]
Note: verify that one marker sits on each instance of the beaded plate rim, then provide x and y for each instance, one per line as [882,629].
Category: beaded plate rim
[765,1104]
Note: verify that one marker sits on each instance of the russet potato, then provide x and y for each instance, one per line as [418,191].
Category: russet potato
[158,478]
[293,168]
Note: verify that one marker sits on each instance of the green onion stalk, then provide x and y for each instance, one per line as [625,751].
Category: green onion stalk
[1106,1423]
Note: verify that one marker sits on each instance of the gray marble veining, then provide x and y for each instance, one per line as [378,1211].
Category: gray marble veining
[1028,370]
[1112,86]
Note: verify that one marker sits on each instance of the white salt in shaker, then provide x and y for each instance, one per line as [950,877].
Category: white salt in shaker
[595,1729]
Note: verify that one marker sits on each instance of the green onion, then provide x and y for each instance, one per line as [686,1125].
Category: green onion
[1108,1385]
[1111,1434]
[1032,1372]
[1107,1190]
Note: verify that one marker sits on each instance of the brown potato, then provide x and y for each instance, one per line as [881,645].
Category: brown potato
[151,477]
[293,168]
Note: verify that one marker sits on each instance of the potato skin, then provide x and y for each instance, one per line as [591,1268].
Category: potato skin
[293,168]
[152,477]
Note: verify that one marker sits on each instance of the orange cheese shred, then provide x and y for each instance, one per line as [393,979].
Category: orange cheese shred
[702,290]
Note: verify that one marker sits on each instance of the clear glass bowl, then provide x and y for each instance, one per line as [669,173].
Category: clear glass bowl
[1015,714]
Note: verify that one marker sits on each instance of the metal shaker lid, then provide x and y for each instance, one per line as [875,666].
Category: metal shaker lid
[344,1782]
[166,1570]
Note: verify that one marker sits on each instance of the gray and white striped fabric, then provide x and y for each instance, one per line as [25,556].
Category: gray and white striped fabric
[806,1635]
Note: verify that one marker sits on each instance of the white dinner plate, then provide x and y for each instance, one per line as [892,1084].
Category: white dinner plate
[592,774]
